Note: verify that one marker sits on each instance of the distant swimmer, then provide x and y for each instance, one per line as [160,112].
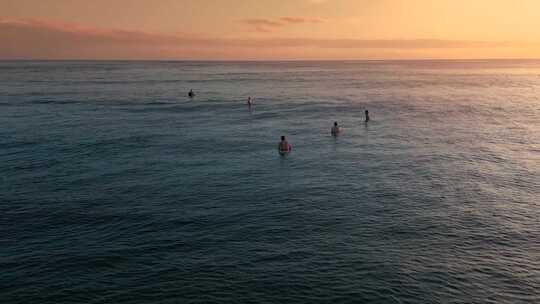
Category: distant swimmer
[336,130]
[191,94]
[367,116]
[249,101]
[284,147]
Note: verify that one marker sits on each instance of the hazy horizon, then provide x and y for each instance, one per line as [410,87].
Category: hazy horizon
[274,60]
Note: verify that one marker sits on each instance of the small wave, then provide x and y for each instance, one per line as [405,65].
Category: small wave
[53,101]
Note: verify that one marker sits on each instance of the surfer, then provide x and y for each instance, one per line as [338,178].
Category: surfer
[336,130]
[191,94]
[367,116]
[249,101]
[284,147]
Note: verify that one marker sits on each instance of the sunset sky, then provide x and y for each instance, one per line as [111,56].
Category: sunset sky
[269,29]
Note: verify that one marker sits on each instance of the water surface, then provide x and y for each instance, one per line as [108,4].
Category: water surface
[117,188]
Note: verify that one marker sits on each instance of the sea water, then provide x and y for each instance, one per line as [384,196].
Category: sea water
[118,188]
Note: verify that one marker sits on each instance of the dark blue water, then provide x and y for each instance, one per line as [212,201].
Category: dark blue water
[116,188]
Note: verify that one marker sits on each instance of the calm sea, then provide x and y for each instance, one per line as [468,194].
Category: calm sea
[117,188]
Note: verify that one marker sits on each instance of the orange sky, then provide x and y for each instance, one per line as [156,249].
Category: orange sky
[269,29]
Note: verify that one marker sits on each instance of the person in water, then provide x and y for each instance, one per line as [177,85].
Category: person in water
[191,94]
[249,101]
[284,146]
[367,116]
[336,130]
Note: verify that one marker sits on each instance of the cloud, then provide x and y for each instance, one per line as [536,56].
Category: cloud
[45,40]
[301,20]
[262,25]
[263,22]
[267,25]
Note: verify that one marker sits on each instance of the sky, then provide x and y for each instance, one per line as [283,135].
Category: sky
[269,29]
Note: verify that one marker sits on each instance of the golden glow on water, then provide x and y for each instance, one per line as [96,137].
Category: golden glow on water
[270,29]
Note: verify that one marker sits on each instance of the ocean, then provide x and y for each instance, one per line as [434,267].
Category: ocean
[118,188]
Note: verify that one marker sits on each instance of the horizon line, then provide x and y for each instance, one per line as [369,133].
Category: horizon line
[275,60]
